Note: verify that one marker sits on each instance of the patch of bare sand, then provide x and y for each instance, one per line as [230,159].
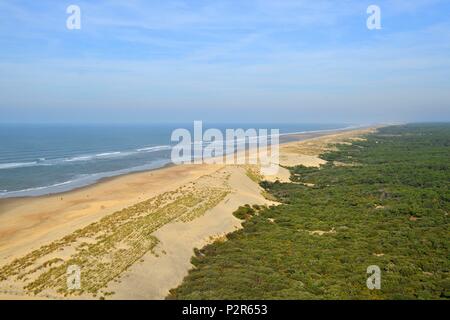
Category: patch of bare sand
[322,232]
[283,175]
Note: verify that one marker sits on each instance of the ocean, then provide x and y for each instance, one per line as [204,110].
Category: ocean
[39,159]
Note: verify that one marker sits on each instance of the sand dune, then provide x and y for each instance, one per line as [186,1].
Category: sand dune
[153,277]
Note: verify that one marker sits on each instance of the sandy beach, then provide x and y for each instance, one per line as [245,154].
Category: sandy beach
[134,234]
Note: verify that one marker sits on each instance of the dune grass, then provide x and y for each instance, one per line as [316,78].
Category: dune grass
[105,249]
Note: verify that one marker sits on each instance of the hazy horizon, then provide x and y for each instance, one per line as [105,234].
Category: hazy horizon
[225,61]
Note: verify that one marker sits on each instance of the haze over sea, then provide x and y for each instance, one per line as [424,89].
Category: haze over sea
[38,159]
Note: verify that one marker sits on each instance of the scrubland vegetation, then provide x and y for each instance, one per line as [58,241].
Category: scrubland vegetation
[383,201]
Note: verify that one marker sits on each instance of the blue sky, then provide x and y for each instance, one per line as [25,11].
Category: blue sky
[217,60]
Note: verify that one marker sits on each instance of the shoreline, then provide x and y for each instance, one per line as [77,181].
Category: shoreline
[300,136]
[93,184]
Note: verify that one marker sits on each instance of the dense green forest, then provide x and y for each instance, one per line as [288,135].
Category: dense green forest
[385,204]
